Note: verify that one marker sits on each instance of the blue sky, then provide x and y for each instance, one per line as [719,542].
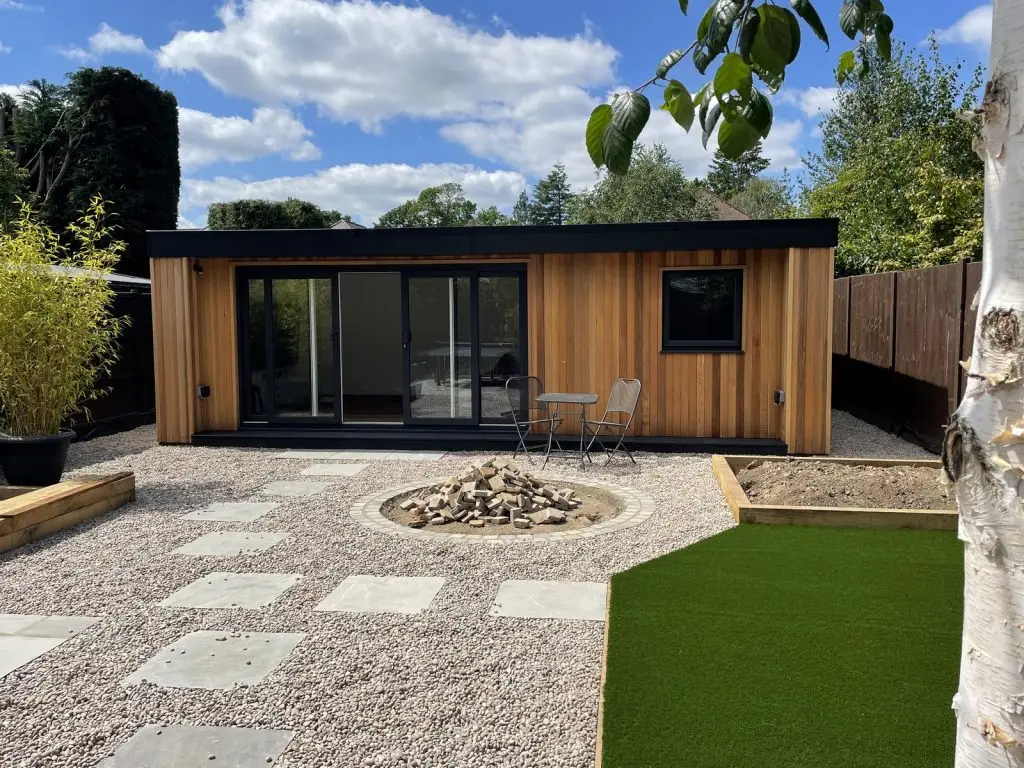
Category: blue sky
[359,105]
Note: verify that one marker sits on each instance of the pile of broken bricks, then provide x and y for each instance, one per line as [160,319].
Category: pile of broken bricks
[493,493]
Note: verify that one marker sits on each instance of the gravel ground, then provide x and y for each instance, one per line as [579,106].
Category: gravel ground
[451,686]
[853,437]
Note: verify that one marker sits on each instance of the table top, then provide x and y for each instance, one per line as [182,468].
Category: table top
[577,398]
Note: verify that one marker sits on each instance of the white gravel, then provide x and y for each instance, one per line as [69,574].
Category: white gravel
[449,687]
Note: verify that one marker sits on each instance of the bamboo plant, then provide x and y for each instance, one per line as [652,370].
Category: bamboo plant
[58,334]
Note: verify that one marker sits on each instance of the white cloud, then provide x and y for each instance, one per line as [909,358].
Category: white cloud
[12,90]
[973,28]
[17,5]
[109,40]
[365,62]
[547,128]
[207,139]
[813,101]
[5,48]
[363,191]
[105,40]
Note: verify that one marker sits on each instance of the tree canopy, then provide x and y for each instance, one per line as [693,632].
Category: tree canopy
[765,198]
[656,189]
[107,133]
[897,166]
[271,214]
[552,198]
[441,206]
[728,177]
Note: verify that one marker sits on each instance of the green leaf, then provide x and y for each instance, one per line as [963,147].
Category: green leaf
[705,21]
[759,113]
[714,31]
[794,34]
[709,121]
[772,81]
[683,5]
[773,42]
[599,119]
[847,63]
[883,39]
[630,112]
[618,149]
[679,104]
[735,137]
[702,96]
[668,62]
[806,12]
[733,76]
[851,17]
[747,32]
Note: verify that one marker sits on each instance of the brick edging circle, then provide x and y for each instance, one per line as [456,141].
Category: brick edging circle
[638,507]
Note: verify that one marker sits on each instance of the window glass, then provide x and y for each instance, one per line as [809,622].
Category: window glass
[702,309]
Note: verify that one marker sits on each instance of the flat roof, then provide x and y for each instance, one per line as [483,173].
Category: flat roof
[313,244]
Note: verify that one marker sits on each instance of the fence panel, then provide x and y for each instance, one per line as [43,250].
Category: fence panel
[928,324]
[841,316]
[972,282]
[872,308]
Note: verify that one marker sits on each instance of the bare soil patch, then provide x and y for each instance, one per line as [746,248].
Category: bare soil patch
[828,484]
[597,507]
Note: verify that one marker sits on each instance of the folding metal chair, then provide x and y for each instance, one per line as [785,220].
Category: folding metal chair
[622,400]
[527,413]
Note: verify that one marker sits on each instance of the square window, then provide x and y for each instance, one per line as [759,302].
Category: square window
[702,310]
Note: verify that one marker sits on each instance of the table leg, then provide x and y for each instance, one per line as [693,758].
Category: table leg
[583,429]
[552,421]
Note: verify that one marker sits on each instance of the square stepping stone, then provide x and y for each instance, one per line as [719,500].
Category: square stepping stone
[315,453]
[226,543]
[232,590]
[192,746]
[294,488]
[334,470]
[233,511]
[382,594]
[528,599]
[217,660]
[24,637]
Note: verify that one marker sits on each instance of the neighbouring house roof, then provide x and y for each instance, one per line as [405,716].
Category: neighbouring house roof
[726,211]
[343,224]
[488,241]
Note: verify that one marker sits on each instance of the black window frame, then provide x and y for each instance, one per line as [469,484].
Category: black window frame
[733,345]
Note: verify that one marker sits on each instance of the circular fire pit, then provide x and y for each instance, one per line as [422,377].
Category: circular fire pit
[601,508]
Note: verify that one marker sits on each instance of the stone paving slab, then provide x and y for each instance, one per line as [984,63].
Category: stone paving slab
[294,488]
[530,599]
[334,470]
[24,637]
[383,594]
[364,455]
[233,511]
[215,660]
[197,746]
[232,590]
[226,543]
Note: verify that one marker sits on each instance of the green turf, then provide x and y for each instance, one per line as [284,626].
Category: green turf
[784,647]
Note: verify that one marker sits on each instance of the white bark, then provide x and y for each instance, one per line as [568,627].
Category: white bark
[984,449]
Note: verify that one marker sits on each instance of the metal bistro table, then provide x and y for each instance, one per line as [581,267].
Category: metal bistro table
[554,399]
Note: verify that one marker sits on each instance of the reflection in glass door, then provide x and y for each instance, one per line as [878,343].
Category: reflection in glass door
[440,348]
[290,325]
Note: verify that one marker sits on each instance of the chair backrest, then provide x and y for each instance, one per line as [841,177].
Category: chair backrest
[522,395]
[624,396]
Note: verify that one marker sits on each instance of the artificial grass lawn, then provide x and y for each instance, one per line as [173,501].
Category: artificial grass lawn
[787,646]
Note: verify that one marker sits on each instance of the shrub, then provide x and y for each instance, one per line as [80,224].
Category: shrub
[57,332]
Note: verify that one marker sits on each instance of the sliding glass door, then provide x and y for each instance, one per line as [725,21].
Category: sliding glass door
[375,347]
[440,339]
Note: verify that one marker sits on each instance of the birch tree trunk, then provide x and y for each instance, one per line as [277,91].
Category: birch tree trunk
[984,447]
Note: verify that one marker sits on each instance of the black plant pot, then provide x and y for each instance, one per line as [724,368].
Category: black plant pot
[34,460]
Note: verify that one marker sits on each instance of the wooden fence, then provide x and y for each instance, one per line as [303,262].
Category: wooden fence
[897,342]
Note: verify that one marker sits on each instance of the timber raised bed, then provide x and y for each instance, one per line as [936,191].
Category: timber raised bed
[726,469]
[28,514]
